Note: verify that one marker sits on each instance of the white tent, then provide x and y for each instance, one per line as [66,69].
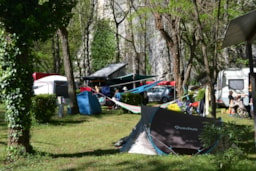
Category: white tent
[53,84]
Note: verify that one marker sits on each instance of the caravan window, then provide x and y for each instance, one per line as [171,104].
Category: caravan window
[236,84]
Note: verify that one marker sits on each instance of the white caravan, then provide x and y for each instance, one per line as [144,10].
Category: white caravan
[232,79]
[53,84]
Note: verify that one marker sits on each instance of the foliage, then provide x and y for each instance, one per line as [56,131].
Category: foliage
[200,95]
[15,90]
[103,45]
[131,98]
[229,134]
[43,57]
[230,158]
[43,107]
[230,148]
[32,20]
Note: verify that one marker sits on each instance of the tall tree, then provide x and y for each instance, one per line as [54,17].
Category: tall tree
[56,54]
[61,8]
[192,32]
[138,35]
[103,45]
[68,70]
[24,22]
[169,26]
[119,15]
[208,19]
[193,40]
[83,19]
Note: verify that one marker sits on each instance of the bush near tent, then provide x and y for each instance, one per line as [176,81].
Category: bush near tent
[161,132]
[43,107]
[132,99]
[88,103]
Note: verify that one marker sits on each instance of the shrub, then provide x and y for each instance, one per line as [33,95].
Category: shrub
[200,95]
[43,107]
[229,150]
[133,99]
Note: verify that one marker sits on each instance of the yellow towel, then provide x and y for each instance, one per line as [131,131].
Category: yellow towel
[174,107]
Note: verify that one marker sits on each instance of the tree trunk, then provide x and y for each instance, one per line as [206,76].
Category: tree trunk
[17,97]
[63,33]
[22,141]
[56,54]
[205,57]
[172,42]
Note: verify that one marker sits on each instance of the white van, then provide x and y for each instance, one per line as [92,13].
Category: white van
[232,79]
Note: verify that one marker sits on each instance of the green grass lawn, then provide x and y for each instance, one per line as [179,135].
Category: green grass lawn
[80,142]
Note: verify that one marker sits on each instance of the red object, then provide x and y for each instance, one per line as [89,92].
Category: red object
[38,75]
[172,83]
[195,104]
[85,89]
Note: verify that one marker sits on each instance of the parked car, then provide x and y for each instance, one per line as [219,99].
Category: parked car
[161,94]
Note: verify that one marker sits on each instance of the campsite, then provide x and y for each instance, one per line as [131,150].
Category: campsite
[86,142]
[89,108]
[155,136]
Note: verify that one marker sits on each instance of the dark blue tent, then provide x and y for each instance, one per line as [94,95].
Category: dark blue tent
[88,103]
[161,132]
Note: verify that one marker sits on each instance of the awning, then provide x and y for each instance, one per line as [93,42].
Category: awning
[106,72]
[241,29]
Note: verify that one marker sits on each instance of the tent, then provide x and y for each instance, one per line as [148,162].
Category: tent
[161,132]
[53,84]
[88,103]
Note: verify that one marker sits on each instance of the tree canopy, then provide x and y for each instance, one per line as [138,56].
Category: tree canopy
[103,45]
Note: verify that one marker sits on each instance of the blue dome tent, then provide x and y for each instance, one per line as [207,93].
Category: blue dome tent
[88,103]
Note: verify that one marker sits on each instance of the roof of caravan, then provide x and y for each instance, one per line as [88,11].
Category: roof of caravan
[52,78]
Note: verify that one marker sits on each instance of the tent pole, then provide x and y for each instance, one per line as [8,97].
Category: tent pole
[252,78]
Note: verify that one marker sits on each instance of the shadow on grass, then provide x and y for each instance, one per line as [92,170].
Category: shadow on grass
[130,165]
[3,143]
[65,122]
[73,119]
[97,152]
[2,121]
